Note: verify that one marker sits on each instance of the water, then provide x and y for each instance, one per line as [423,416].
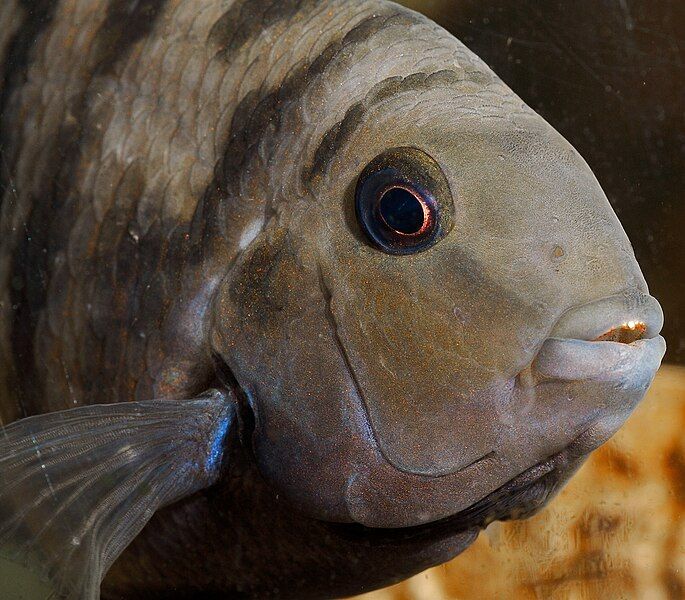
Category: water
[19,583]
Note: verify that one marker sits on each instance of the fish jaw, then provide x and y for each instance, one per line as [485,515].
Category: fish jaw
[572,398]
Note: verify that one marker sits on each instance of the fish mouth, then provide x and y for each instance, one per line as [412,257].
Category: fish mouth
[613,340]
[519,498]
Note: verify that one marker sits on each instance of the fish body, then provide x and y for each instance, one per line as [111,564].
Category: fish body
[221,195]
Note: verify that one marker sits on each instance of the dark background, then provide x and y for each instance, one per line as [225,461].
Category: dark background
[609,75]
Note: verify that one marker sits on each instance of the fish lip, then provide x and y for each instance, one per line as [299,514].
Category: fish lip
[593,319]
[634,365]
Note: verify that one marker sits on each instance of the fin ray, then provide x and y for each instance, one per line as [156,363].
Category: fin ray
[77,486]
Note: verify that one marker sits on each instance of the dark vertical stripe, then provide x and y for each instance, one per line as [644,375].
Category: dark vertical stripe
[261,111]
[126,22]
[247,19]
[341,132]
[38,17]
[53,210]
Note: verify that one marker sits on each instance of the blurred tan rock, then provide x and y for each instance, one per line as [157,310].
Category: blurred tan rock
[615,532]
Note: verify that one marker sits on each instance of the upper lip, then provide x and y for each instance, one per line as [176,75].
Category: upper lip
[591,320]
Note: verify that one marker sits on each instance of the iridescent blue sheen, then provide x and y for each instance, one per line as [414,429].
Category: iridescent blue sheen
[216,449]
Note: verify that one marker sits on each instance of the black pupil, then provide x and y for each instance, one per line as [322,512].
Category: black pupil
[402,211]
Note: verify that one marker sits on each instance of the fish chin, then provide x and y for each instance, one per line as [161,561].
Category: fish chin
[519,498]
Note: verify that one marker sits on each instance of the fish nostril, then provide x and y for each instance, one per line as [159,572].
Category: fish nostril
[626,333]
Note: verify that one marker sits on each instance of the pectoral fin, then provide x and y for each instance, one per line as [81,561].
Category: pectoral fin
[77,486]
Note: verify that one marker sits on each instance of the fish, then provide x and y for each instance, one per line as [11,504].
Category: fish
[296,297]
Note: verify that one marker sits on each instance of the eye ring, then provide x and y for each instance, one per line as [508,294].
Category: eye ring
[403,202]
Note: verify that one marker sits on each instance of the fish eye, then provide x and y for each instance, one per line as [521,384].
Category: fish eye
[406,211]
[403,202]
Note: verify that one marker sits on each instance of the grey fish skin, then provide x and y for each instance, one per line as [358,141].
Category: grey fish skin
[177,214]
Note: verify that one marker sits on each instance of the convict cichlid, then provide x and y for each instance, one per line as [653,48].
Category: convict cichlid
[383,301]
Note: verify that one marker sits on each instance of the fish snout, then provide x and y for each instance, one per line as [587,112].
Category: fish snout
[590,373]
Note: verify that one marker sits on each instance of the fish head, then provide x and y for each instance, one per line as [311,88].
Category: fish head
[445,320]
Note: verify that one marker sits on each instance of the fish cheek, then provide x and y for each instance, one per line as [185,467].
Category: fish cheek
[271,329]
[431,407]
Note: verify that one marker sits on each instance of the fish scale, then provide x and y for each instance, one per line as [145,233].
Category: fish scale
[186,208]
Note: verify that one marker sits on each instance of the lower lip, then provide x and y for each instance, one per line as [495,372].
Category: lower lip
[629,365]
